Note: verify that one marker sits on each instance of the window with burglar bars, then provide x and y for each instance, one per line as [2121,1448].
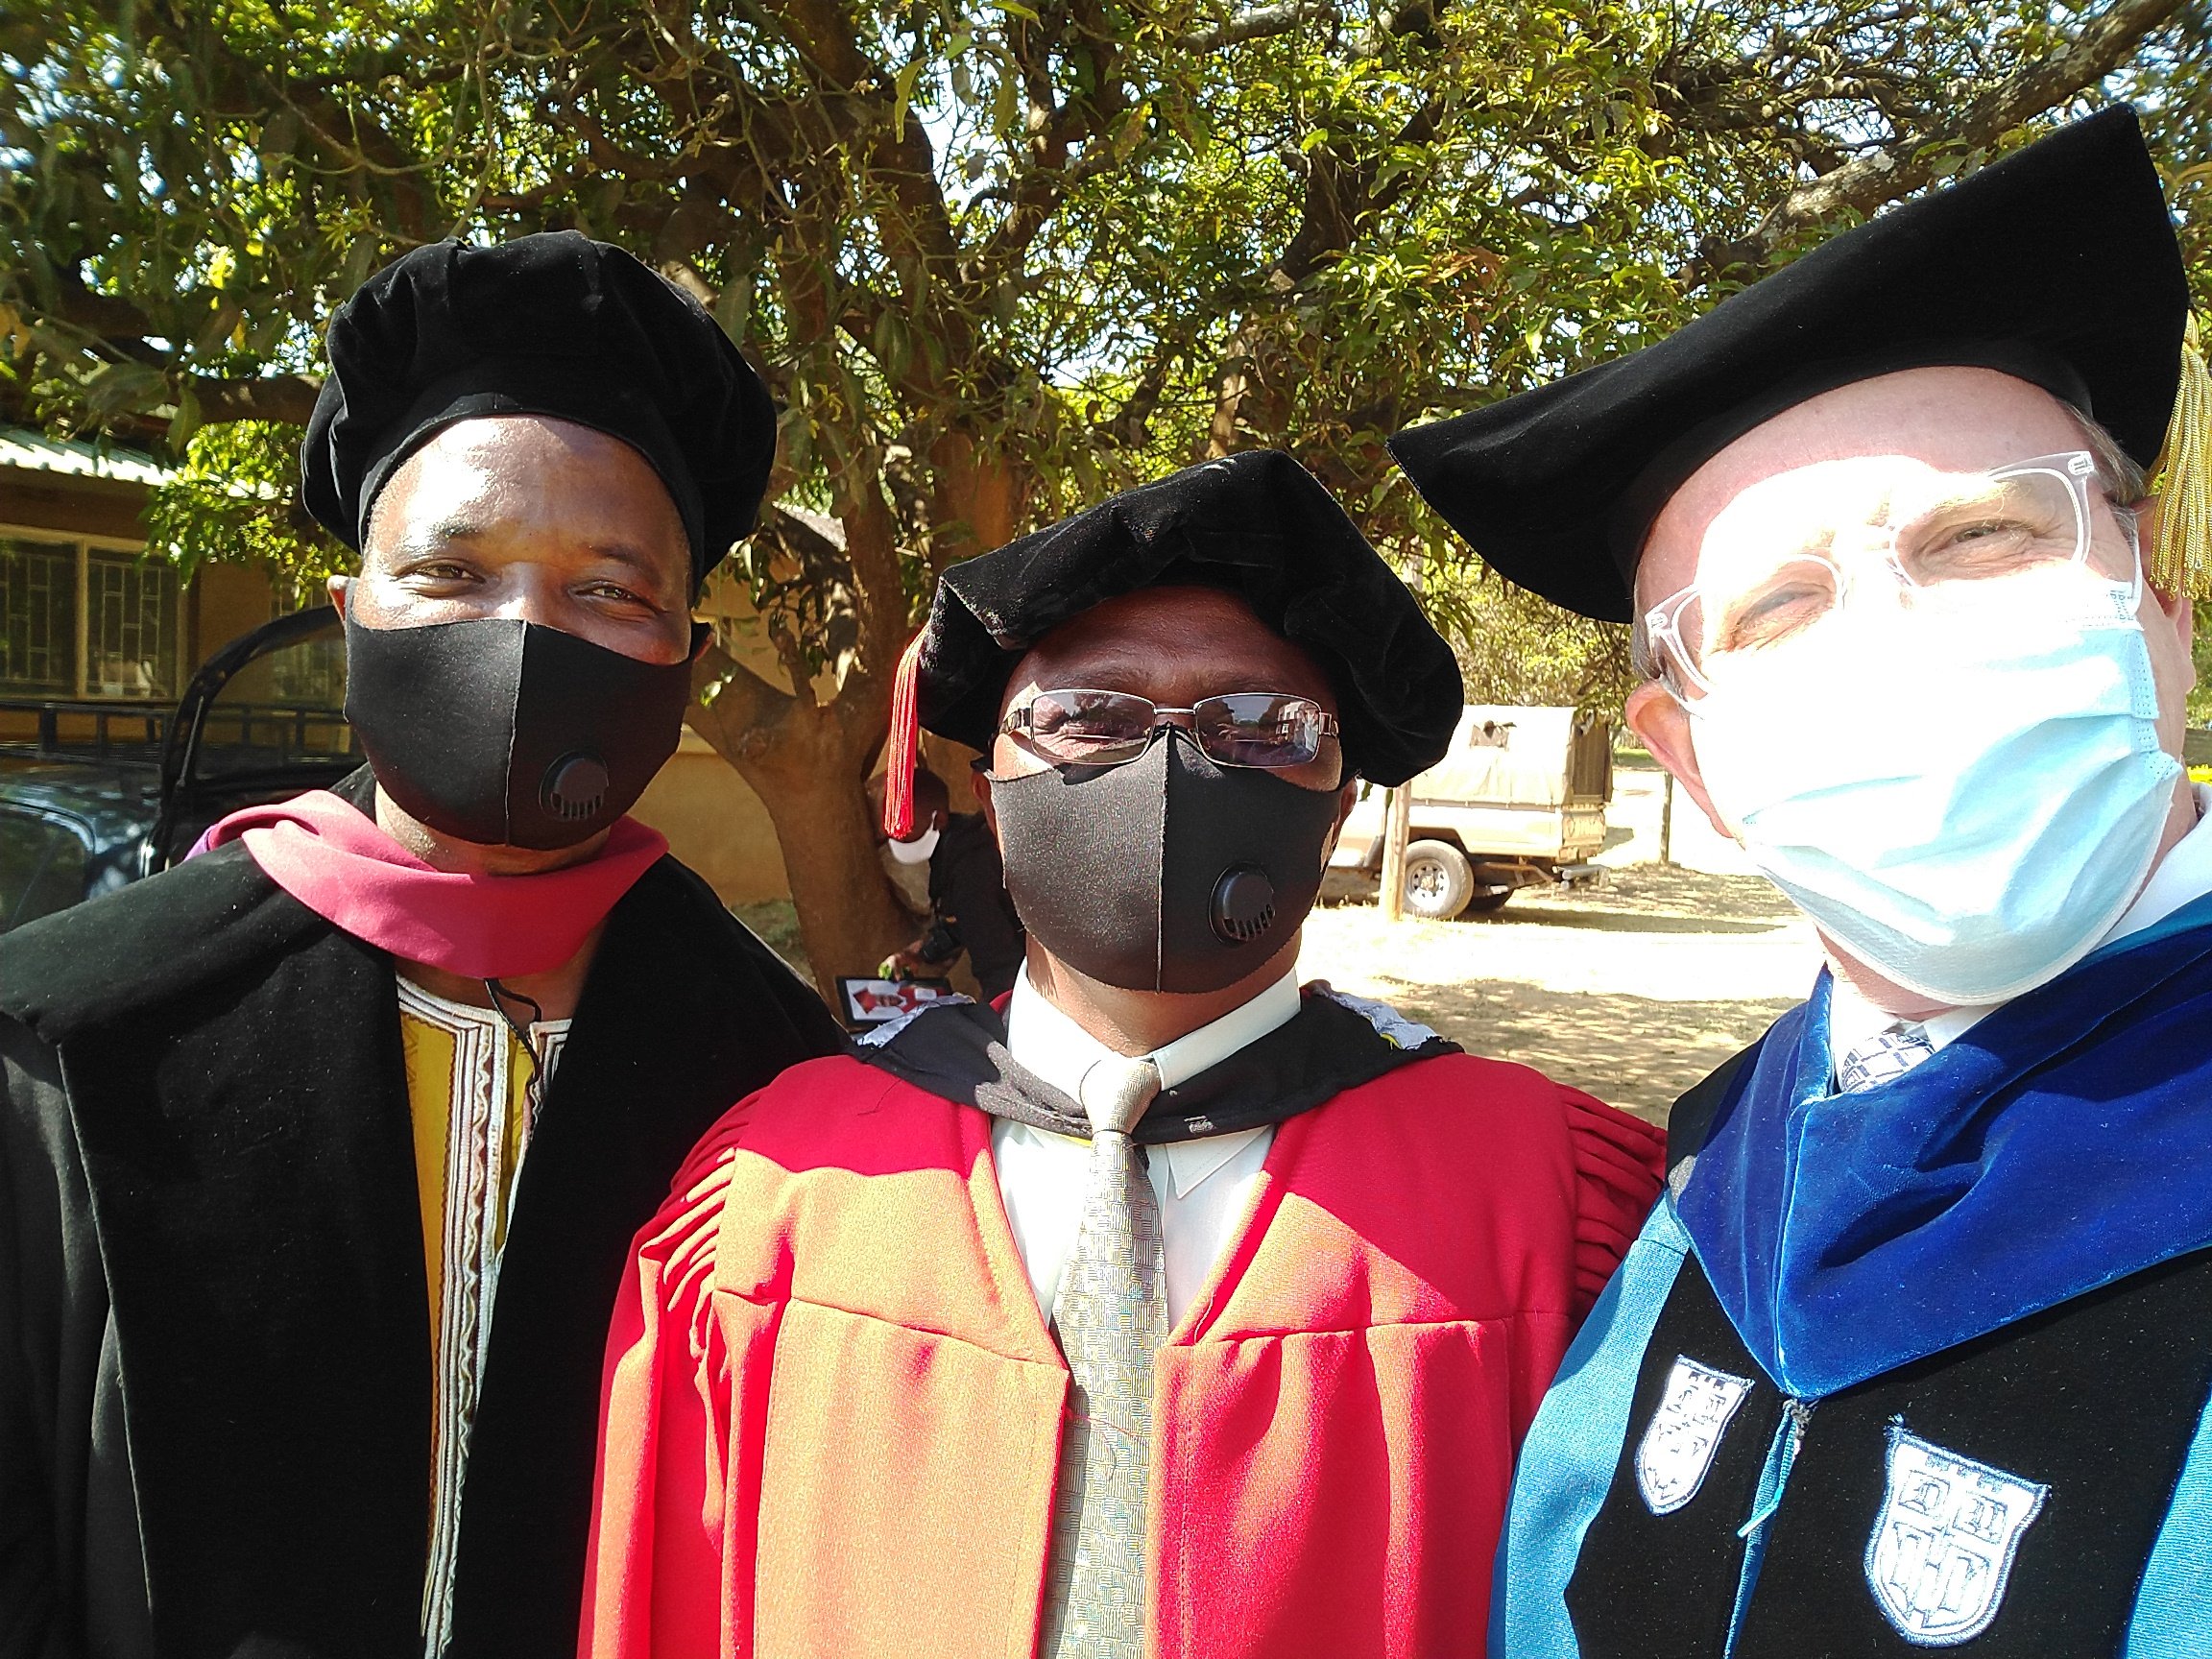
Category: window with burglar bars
[79,621]
[39,618]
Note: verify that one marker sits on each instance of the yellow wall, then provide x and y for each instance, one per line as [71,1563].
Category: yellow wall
[226,600]
[715,824]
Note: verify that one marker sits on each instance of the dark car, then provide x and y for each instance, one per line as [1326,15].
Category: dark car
[93,795]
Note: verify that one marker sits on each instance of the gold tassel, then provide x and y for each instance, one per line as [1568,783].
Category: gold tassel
[2182,559]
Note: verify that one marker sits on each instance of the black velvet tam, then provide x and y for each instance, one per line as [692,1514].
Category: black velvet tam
[554,324]
[1255,523]
[2057,264]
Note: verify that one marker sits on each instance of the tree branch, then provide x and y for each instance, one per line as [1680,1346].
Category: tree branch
[741,720]
[1258,24]
[1882,176]
[285,397]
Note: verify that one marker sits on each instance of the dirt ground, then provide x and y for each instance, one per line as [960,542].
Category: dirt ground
[1632,989]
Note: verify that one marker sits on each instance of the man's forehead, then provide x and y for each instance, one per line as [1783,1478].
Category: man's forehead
[1170,634]
[1850,443]
[480,473]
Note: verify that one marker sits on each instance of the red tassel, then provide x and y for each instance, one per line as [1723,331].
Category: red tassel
[904,752]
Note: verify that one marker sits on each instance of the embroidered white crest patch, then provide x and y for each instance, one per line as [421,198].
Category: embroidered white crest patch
[1944,1541]
[1685,1432]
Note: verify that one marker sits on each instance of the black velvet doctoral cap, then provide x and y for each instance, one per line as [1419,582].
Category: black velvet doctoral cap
[553,323]
[2057,264]
[1255,523]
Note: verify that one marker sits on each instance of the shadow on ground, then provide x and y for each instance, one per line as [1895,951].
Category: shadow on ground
[1653,889]
[1635,1052]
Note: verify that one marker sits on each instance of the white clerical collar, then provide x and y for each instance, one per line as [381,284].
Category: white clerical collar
[1049,1045]
[2183,875]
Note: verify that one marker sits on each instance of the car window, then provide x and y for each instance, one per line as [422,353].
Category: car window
[281,710]
[41,868]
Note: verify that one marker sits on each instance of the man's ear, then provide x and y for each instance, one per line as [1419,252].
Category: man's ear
[1664,726]
[338,588]
[1347,798]
[980,781]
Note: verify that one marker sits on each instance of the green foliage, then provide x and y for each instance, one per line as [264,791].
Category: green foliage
[994,261]
[233,498]
[1514,647]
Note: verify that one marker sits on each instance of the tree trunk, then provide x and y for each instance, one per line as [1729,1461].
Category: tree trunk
[807,765]
[807,759]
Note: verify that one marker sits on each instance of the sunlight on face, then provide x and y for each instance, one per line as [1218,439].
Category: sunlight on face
[532,518]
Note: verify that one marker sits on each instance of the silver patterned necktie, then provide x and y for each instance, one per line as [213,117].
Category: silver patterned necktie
[1883,1057]
[1111,1317]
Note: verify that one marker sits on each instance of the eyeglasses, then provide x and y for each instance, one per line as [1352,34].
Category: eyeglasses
[1948,542]
[1267,729]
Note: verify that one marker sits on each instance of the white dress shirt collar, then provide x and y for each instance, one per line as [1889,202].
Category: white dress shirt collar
[1049,1045]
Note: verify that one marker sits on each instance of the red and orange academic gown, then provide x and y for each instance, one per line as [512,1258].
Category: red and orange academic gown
[833,1408]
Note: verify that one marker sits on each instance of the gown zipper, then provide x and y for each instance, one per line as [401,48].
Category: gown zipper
[1781,1459]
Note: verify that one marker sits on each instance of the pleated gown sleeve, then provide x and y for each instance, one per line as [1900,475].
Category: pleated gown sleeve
[1617,1170]
[653,1580]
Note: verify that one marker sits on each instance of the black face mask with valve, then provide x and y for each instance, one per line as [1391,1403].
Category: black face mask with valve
[508,734]
[1169,873]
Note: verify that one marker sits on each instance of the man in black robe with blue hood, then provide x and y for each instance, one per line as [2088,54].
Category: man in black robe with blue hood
[1915,1352]
[277,1124]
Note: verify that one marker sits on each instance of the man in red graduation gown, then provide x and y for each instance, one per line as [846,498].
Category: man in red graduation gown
[1169,1307]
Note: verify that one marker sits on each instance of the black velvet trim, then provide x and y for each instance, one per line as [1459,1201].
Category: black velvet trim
[958,1053]
[2096,1398]
[1664,1586]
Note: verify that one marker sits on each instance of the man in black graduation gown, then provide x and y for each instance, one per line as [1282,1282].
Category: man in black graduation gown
[1914,1354]
[968,909]
[280,1122]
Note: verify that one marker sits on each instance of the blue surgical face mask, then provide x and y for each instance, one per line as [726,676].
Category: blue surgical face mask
[1964,797]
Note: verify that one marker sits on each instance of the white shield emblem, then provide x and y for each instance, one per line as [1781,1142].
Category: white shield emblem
[1943,1544]
[1685,1432]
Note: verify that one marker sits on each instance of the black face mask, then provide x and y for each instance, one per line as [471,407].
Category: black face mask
[1169,873]
[507,733]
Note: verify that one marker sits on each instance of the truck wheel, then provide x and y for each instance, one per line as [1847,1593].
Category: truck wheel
[1438,880]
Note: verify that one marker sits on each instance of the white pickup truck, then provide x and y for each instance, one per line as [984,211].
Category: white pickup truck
[1519,799]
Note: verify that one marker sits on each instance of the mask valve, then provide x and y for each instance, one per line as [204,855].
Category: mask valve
[575,787]
[1243,905]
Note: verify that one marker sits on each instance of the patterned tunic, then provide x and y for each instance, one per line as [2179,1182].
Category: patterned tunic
[471,1098]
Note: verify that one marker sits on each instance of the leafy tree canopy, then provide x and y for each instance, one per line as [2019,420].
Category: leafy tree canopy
[993,261]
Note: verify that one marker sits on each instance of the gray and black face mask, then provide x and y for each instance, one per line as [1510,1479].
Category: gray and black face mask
[1166,873]
[506,732]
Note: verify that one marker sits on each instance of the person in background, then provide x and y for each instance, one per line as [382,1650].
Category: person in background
[968,909]
[1914,1355]
[322,1153]
[1177,1308]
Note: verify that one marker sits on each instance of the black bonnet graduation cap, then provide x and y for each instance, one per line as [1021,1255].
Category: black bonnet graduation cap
[2057,264]
[553,323]
[1255,523]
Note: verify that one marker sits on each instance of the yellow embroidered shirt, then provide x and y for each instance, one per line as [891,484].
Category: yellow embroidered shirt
[473,1104]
